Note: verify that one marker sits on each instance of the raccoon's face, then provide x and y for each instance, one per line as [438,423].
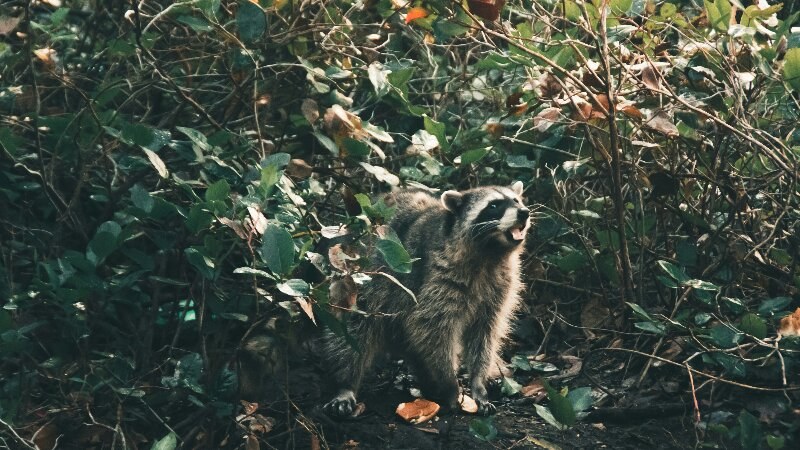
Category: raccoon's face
[491,215]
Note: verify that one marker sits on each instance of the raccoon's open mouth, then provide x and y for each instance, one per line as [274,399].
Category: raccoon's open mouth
[517,233]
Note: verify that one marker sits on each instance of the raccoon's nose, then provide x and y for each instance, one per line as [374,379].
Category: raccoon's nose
[523,213]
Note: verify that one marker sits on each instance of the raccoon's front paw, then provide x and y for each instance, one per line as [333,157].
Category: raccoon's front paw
[342,405]
[485,408]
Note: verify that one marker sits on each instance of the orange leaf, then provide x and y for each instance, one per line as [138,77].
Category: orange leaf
[415,13]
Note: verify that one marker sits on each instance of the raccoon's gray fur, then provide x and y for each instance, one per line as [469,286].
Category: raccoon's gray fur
[466,282]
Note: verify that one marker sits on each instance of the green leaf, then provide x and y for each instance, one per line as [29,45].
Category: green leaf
[521,362]
[559,407]
[753,325]
[483,428]
[378,76]
[773,305]
[395,255]
[198,24]
[141,198]
[277,250]
[218,191]
[437,129]
[639,311]
[725,337]
[294,288]
[251,21]
[776,442]
[718,13]
[791,68]
[749,429]
[700,284]
[652,327]
[168,442]
[509,386]
[620,7]
[471,156]
[674,271]
[580,398]
[198,139]
[327,143]
[103,243]
[200,261]
[355,148]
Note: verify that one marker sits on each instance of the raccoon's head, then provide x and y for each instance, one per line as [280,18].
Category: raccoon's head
[491,216]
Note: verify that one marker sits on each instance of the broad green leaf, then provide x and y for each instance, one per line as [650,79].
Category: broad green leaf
[509,386]
[218,191]
[294,287]
[483,428]
[198,24]
[251,21]
[754,326]
[355,148]
[674,271]
[700,284]
[620,7]
[639,311]
[200,261]
[772,305]
[652,327]
[436,129]
[277,250]
[378,76]
[545,413]
[791,68]
[718,13]
[168,442]
[395,255]
[198,139]
[471,156]
[559,406]
[141,198]
[327,143]
[521,362]
[749,429]
[580,398]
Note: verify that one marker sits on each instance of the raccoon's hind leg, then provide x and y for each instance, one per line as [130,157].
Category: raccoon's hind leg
[432,349]
[348,365]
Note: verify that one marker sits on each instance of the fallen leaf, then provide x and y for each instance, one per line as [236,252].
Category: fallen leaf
[534,389]
[310,110]
[468,404]
[546,118]
[257,221]
[359,409]
[790,325]
[418,411]
[298,168]
[235,226]
[661,123]
[650,78]
[415,13]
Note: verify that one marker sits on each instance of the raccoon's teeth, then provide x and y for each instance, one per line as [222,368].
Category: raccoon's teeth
[518,234]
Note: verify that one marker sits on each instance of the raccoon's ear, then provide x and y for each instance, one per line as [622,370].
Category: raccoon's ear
[452,200]
[517,187]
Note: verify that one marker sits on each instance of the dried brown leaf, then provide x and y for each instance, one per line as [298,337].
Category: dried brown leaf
[650,78]
[310,110]
[305,305]
[298,168]
[486,9]
[9,24]
[661,123]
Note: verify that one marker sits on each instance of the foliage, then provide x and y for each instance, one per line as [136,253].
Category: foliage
[172,180]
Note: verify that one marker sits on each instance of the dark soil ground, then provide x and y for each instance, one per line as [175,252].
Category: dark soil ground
[517,424]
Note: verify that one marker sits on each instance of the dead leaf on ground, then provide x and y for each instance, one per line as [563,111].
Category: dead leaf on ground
[650,78]
[418,411]
[546,118]
[661,123]
[790,325]
[235,226]
[594,315]
[338,258]
[310,110]
[468,404]
[534,389]
[298,168]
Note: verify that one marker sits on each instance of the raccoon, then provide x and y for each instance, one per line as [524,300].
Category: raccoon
[466,283]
